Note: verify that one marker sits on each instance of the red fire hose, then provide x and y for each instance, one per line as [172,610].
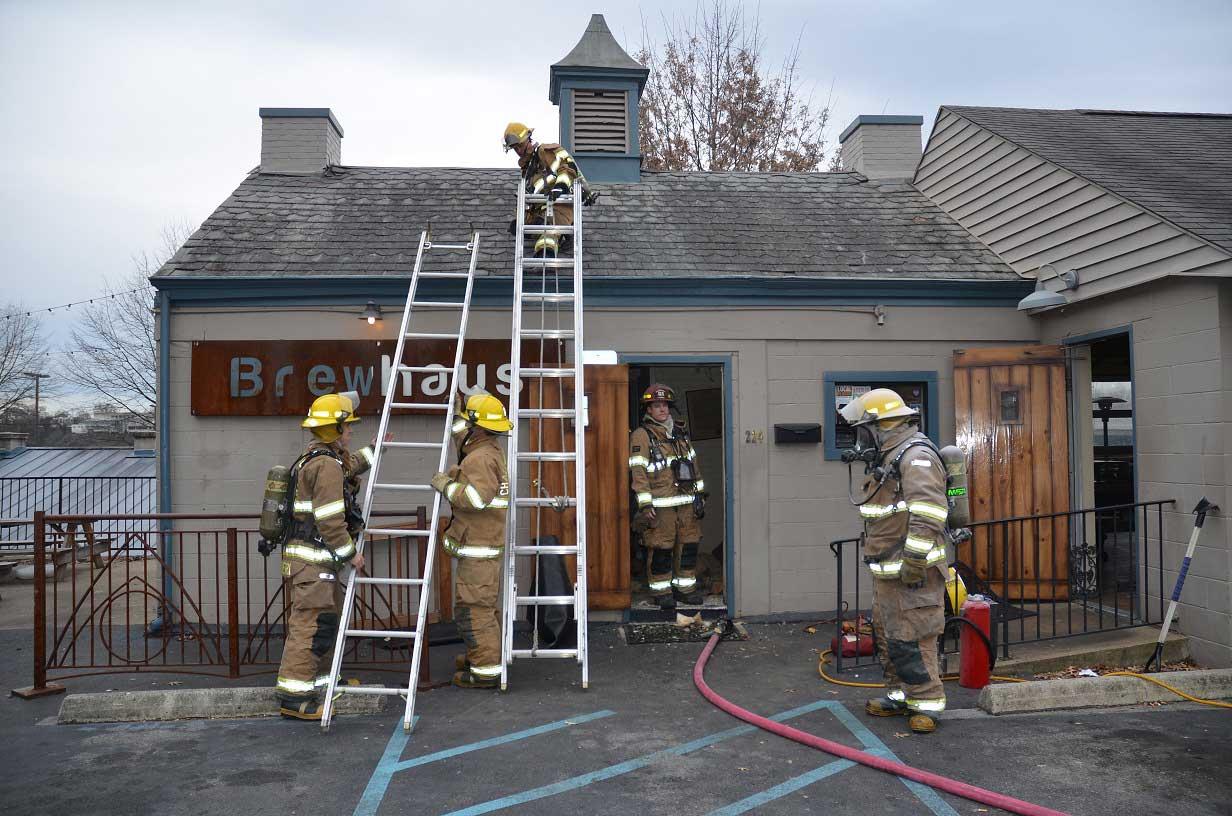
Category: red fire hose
[942,783]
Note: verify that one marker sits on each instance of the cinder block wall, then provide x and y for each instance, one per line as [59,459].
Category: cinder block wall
[1182,356]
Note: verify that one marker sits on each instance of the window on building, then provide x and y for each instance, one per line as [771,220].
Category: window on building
[918,389]
[600,121]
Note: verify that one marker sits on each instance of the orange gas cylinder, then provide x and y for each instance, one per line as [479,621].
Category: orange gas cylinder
[973,670]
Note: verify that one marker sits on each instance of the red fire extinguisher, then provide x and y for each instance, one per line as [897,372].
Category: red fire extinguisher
[974,669]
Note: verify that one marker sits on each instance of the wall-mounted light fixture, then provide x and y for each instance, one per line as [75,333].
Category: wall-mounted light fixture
[371,313]
[1043,298]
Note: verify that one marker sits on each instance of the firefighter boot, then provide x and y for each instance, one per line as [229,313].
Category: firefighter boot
[688,597]
[922,723]
[461,663]
[885,707]
[468,679]
[304,710]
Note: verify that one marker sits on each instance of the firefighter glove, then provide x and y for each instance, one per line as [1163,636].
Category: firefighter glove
[913,572]
[440,481]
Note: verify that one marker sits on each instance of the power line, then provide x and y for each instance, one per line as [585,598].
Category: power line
[112,296]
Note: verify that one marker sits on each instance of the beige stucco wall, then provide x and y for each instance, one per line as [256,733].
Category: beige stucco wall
[1182,354]
[787,503]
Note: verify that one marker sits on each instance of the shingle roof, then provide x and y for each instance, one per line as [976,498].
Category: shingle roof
[351,221]
[1178,165]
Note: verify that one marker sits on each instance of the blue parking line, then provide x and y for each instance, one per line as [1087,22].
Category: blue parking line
[924,793]
[389,763]
[781,790]
[628,766]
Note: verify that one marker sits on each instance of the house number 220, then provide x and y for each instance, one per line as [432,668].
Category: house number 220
[754,437]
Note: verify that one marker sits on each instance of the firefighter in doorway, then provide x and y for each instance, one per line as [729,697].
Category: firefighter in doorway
[477,489]
[904,511]
[670,496]
[547,169]
[326,516]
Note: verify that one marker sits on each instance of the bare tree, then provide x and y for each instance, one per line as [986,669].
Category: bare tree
[22,349]
[711,103]
[112,352]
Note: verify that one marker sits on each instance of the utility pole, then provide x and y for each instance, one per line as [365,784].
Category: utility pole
[36,376]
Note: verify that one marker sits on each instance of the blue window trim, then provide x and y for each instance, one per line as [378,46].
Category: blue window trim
[830,378]
[729,465]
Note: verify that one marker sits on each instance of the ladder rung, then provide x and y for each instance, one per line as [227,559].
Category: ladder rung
[549,297]
[540,198]
[439,406]
[394,531]
[430,336]
[546,600]
[544,652]
[444,274]
[563,334]
[543,549]
[549,263]
[410,444]
[545,413]
[430,245]
[548,456]
[382,633]
[370,690]
[547,372]
[438,304]
[538,228]
[544,502]
[425,369]
[389,581]
[387,486]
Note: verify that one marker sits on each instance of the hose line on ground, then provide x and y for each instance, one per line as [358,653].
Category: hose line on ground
[941,783]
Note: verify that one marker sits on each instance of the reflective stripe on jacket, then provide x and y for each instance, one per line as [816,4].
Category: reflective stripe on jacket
[905,518]
[478,493]
[319,500]
[651,474]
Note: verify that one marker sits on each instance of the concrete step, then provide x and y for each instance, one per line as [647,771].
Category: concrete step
[1119,647]
[1099,692]
[193,704]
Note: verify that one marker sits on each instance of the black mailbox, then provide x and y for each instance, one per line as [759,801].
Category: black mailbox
[808,433]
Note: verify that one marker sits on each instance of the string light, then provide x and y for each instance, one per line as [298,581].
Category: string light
[113,296]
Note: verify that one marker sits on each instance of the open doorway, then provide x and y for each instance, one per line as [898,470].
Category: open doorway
[1105,562]
[700,404]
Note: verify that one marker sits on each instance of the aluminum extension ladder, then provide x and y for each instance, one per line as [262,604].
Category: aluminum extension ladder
[553,305]
[418,635]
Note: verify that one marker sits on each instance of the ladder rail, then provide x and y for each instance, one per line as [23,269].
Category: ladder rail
[581,612]
[509,609]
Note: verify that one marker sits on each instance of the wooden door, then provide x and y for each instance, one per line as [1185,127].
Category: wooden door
[1010,417]
[607,479]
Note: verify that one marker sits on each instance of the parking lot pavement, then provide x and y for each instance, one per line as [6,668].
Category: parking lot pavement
[640,740]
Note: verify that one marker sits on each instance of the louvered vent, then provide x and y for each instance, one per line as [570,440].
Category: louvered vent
[600,121]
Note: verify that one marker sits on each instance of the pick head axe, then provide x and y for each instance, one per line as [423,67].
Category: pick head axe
[1200,511]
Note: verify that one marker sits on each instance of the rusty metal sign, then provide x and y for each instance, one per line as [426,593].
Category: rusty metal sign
[283,377]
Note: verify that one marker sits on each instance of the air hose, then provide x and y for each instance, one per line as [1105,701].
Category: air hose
[941,783]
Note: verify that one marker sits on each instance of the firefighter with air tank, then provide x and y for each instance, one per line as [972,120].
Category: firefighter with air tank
[907,519]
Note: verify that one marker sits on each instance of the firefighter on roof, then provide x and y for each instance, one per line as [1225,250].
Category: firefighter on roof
[319,544]
[547,169]
[670,494]
[904,511]
[477,489]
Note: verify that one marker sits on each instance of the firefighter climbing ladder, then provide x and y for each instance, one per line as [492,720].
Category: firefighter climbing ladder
[374,483]
[558,313]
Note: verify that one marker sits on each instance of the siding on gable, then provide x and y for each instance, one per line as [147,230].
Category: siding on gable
[1032,212]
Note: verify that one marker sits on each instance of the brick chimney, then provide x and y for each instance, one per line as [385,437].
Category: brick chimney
[299,141]
[882,147]
[13,441]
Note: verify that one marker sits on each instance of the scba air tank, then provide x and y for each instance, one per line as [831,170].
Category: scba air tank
[274,510]
[955,462]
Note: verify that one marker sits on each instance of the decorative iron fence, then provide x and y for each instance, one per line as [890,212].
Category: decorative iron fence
[190,593]
[1049,576]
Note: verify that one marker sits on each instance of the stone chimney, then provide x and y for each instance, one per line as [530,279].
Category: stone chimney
[882,147]
[12,441]
[299,141]
[144,439]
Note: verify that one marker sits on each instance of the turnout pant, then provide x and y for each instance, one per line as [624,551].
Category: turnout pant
[907,623]
[477,587]
[671,544]
[314,596]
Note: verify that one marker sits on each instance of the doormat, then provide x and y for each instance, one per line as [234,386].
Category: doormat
[687,630]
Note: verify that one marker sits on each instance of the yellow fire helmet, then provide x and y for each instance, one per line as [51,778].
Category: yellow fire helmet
[515,134]
[878,404]
[955,591]
[329,411]
[487,412]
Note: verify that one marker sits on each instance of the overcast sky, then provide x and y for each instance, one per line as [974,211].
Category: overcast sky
[120,117]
